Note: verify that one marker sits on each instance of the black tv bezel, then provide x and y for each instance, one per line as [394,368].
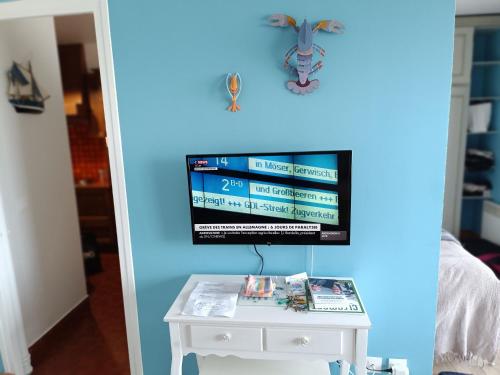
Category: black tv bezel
[344,190]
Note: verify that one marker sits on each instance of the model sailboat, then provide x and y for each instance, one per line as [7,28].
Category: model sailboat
[24,93]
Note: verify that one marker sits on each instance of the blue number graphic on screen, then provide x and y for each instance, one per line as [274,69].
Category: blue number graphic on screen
[277,165]
[226,193]
[320,168]
[226,185]
[197,189]
[197,181]
[233,163]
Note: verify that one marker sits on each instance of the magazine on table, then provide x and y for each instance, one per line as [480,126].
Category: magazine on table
[334,294]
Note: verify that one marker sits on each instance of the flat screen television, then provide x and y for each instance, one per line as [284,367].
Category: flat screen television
[288,198]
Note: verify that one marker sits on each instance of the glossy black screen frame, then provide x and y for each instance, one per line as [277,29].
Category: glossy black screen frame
[344,165]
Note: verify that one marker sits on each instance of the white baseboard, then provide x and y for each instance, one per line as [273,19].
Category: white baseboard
[80,301]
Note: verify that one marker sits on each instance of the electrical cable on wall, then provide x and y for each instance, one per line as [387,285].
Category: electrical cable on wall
[261,258]
[311,259]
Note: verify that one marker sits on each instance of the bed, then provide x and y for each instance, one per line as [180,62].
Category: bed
[468,312]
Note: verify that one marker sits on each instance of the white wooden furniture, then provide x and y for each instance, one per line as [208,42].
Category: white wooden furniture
[455,159]
[463,79]
[267,333]
[230,365]
[462,55]
[457,131]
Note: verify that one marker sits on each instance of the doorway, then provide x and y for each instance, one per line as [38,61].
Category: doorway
[105,241]
[100,343]
[469,264]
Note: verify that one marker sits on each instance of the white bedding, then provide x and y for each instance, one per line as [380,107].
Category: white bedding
[468,313]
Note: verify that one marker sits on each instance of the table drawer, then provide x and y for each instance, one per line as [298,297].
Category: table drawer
[226,338]
[305,341]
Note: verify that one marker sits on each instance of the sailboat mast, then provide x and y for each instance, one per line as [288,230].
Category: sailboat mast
[9,88]
[18,87]
[33,84]
[37,92]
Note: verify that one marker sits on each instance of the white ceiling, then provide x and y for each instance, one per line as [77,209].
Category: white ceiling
[469,7]
[77,29]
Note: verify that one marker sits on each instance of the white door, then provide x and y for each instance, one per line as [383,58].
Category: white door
[455,159]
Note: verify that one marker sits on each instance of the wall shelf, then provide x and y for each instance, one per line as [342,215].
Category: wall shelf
[486,63]
[484,98]
[475,198]
[492,169]
[483,133]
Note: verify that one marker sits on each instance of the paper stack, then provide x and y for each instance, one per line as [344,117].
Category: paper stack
[213,299]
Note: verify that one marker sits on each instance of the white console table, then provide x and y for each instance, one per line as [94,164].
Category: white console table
[257,332]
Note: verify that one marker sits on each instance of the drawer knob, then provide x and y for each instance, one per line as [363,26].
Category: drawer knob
[304,340]
[226,337]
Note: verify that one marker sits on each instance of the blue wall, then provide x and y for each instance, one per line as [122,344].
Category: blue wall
[1,365]
[385,94]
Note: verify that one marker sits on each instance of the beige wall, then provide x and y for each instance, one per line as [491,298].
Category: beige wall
[37,184]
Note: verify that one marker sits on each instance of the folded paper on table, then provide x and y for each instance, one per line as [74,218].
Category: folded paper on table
[213,299]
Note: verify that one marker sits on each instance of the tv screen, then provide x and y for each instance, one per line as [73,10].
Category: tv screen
[271,198]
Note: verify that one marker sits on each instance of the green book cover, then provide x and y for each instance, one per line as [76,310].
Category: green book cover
[334,295]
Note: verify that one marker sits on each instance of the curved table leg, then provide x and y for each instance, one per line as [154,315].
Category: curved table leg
[361,349]
[176,347]
[176,368]
[344,367]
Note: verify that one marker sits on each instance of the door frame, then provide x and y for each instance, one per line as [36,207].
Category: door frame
[15,360]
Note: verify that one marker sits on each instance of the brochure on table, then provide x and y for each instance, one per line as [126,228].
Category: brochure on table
[334,295]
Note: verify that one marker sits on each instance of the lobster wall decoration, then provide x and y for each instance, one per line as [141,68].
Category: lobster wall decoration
[304,50]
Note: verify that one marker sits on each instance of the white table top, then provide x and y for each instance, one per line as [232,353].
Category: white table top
[261,315]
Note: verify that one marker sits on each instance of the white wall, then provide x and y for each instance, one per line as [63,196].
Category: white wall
[37,184]
[470,7]
[79,29]
[91,57]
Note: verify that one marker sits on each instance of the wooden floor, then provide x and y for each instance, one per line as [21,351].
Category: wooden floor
[92,338]
[466,368]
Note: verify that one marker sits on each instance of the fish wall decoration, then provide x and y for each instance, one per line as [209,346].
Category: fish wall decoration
[233,85]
